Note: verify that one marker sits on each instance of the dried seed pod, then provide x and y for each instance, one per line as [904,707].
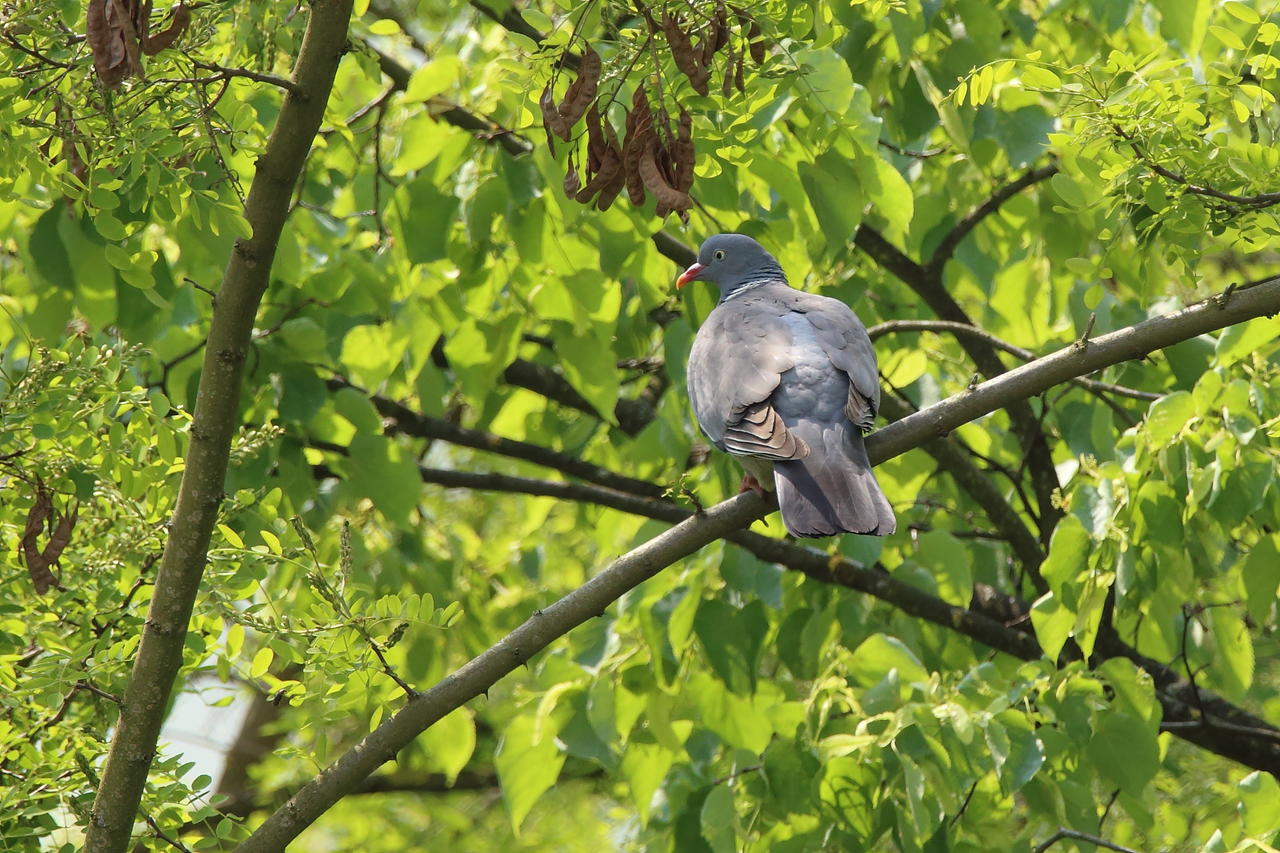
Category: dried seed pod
[726,87]
[609,169]
[166,37]
[683,153]
[757,43]
[571,180]
[687,59]
[738,79]
[551,118]
[582,92]
[654,181]
[596,145]
[632,150]
[721,31]
[611,190]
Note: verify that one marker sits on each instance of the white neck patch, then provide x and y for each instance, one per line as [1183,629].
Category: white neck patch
[751,285]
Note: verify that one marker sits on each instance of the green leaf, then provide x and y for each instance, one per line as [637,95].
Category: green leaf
[1017,752]
[384,472]
[526,768]
[644,765]
[261,662]
[1184,21]
[433,78]
[732,639]
[421,217]
[1233,658]
[451,742]
[1124,749]
[887,192]
[718,818]
[1260,571]
[879,654]
[1068,558]
[1243,339]
[835,194]
[1167,417]
[1052,622]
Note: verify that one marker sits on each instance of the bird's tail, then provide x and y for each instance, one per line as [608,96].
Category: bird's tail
[832,490]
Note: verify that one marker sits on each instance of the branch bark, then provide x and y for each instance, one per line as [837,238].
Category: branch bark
[727,520]
[216,415]
[424,709]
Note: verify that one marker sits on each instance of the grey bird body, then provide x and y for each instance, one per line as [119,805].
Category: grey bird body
[786,381]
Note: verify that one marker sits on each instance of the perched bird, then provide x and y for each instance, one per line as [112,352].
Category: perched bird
[786,381]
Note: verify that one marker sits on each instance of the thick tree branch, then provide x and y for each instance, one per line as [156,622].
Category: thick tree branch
[1216,312]
[953,459]
[727,520]
[893,326]
[159,656]
[509,653]
[632,415]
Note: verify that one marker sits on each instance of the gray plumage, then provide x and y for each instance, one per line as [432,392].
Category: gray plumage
[787,382]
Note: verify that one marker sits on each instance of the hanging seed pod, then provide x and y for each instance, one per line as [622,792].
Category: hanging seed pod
[666,195]
[551,118]
[596,145]
[614,186]
[738,77]
[582,92]
[687,59]
[726,87]
[632,153]
[609,169]
[721,31]
[683,153]
[757,43]
[152,45]
[571,180]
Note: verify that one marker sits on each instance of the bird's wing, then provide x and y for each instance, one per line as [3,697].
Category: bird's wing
[845,342]
[735,364]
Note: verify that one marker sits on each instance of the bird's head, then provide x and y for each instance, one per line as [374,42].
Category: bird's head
[732,261]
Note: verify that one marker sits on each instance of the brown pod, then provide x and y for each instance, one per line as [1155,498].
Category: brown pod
[726,88]
[757,43]
[166,37]
[582,92]
[683,153]
[551,118]
[721,31]
[571,180]
[631,154]
[596,145]
[654,181]
[609,169]
[687,59]
[611,191]
[738,78]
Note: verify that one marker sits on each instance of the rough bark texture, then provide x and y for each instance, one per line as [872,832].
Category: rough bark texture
[214,422]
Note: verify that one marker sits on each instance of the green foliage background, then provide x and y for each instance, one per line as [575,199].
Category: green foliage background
[726,704]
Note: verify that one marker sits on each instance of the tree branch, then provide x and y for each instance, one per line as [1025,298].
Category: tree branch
[893,326]
[159,656]
[727,520]
[419,425]
[480,673]
[947,248]
[1079,836]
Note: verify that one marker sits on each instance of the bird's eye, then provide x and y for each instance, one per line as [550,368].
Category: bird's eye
[719,256]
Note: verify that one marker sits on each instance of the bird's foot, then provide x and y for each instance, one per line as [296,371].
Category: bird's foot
[751,484]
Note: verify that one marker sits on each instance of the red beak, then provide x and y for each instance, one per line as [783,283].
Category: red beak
[691,274]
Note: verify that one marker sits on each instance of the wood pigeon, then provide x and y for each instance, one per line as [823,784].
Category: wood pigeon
[786,381]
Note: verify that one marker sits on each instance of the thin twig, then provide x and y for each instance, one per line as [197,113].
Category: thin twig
[1076,835]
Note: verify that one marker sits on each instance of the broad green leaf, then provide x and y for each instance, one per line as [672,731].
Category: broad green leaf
[1124,749]
[879,654]
[525,768]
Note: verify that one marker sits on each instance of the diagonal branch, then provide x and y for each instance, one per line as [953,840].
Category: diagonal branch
[509,653]
[947,248]
[727,520]
[419,425]
[891,326]
[159,656]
